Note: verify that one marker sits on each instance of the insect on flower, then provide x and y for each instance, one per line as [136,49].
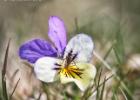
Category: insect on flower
[68,61]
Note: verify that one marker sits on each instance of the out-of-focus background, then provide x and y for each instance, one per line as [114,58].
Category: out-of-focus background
[104,20]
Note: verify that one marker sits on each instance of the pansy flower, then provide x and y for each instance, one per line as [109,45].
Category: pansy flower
[70,62]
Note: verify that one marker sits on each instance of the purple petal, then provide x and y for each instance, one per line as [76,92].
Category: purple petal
[36,49]
[57,33]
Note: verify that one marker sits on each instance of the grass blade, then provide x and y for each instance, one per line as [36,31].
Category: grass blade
[14,89]
[114,97]
[97,96]
[123,94]
[15,73]
[46,90]
[93,91]
[119,48]
[114,73]
[102,60]
[40,94]
[103,83]
[102,91]
[4,87]
[108,52]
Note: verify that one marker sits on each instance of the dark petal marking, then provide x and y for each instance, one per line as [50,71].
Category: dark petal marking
[58,64]
[56,68]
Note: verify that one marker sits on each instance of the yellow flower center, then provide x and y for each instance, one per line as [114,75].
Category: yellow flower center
[68,67]
[71,72]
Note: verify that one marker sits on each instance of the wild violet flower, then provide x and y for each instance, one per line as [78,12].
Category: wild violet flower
[68,62]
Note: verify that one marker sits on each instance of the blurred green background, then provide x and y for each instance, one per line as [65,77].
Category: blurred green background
[104,20]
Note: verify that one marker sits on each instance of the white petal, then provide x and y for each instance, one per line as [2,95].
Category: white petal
[44,68]
[81,44]
[89,72]
[87,77]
